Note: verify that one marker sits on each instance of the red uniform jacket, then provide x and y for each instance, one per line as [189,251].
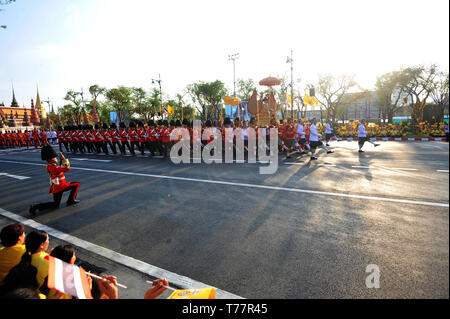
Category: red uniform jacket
[165,135]
[57,178]
[123,135]
[114,135]
[134,137]
[43,136]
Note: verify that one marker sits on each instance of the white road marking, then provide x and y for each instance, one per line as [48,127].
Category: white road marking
[358,166]
[277,188]
[153,271]
[14,176]
[442,170]
[90,160]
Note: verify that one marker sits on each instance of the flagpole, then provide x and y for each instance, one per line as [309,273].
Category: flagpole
[98,277]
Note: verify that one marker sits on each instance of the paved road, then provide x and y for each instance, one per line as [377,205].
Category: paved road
[308,231]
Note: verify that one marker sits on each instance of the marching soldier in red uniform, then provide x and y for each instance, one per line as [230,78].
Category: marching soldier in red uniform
[134,137]
[106,139]
[123,132]
[58,183]
[115,138]
[43,136]
[36,140]
[142,133]
[151,137]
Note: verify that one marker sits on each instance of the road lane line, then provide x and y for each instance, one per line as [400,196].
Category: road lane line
[153,271]
[20,178]
[277,188]
[442,170]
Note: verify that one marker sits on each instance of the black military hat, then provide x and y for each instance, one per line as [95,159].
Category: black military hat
[132,124]
[122,125]
[96,126]
[48,152]
[105,126]
[60,128]
[113,125]
[151,123]
[227,121]
[208,123]
[172,123]
[177,123]
[185,122]
[165,123]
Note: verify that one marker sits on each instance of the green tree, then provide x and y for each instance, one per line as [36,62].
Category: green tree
[245,88]
[2,3]
[141,103]
[120,101]
[418,83]
[208,94]
[77,108]
[390,93]
[440,93]
[331,91]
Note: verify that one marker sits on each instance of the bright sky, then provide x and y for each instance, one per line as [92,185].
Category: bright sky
[64,44]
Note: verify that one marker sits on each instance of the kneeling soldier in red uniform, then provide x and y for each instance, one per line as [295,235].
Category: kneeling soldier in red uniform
[58,184]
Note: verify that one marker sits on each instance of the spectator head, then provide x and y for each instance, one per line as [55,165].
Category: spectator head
[22,293]
[64,252]
[12,235]
[35,242]
[20,276]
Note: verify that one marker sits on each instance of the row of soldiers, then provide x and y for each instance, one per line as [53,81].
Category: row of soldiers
[155,136]
[19,138]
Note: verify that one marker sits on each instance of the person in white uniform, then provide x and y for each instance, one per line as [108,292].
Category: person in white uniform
[301,137]
[314,140]
[328,132]
[363,136]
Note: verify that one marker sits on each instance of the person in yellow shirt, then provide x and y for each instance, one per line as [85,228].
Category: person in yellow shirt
[12,238]
[36,245]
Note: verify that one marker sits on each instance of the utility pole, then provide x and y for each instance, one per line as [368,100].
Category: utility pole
[160,90]
[289,60]
[234,57]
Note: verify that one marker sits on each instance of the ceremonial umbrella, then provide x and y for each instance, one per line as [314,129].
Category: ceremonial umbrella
[270,81]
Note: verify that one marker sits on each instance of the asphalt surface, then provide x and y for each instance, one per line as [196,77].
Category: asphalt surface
[308,231]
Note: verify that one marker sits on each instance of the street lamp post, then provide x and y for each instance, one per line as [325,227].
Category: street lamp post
[290,60]
[160,90]
[234,57]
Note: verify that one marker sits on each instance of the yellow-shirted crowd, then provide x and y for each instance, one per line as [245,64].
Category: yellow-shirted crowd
[24,266]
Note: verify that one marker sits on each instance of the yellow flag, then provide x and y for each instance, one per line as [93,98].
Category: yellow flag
[312,101]
[288,99]
[202,293]
[170,109]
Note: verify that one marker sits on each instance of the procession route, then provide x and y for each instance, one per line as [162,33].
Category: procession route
[267,187]
[177,280]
